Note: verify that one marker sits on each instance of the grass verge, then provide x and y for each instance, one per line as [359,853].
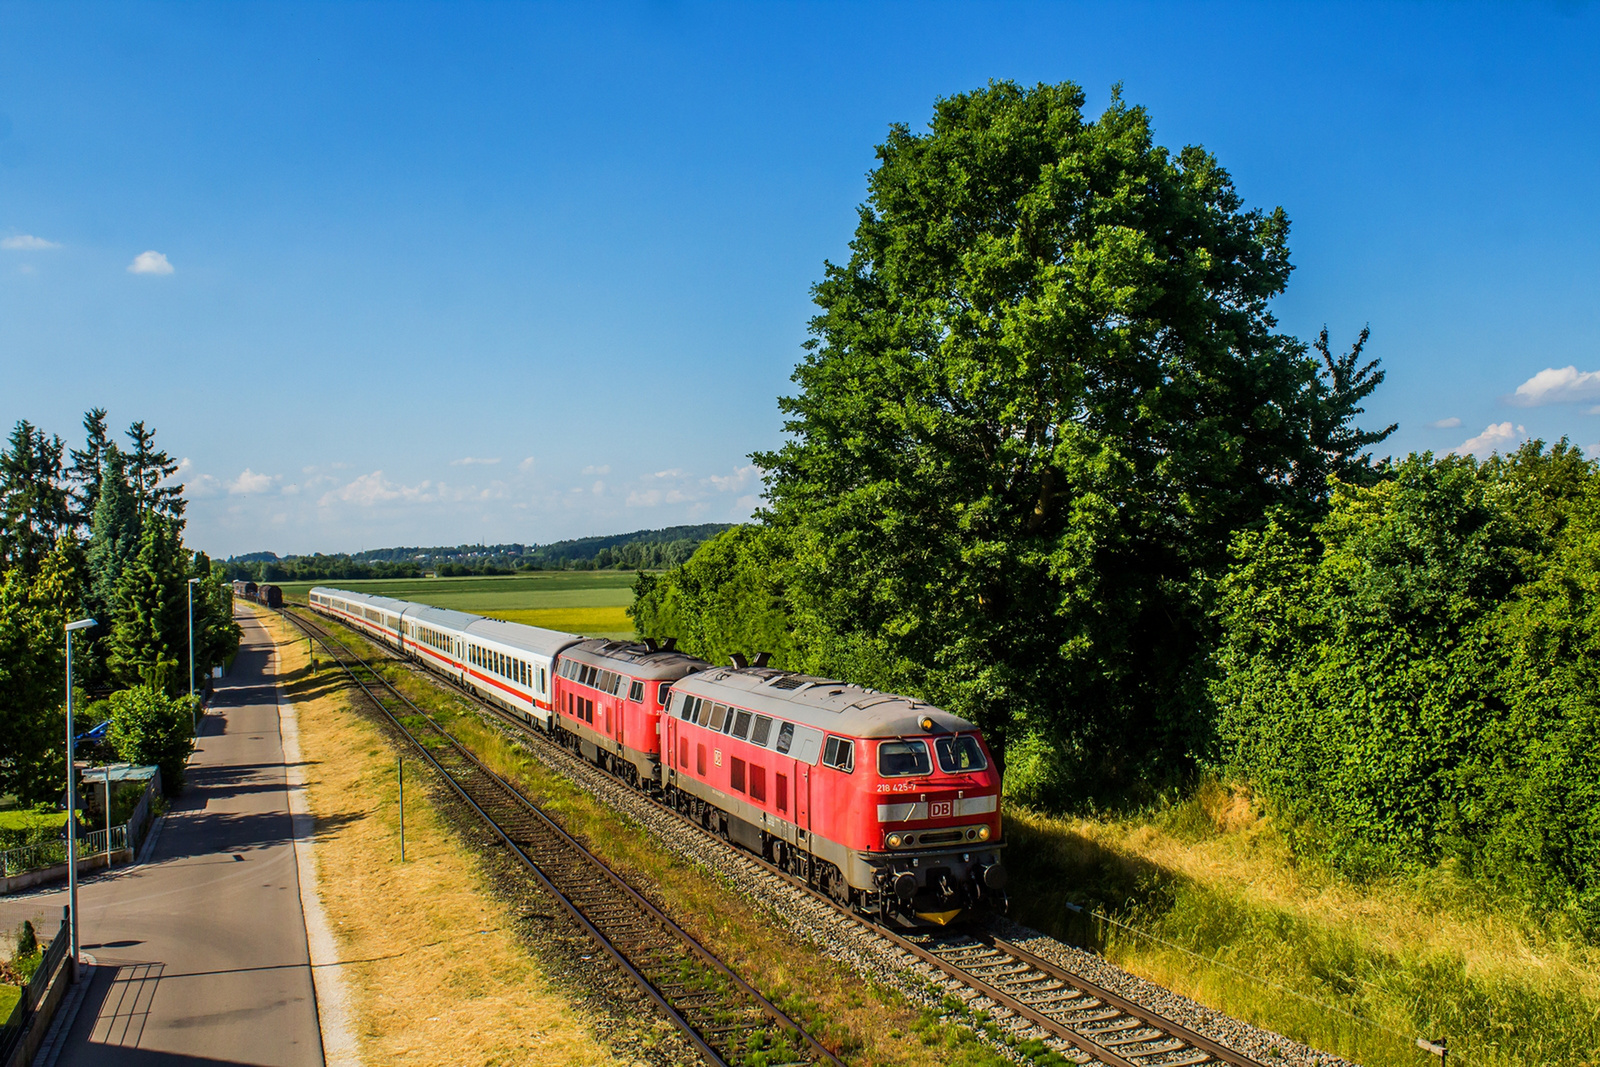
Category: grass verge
[439,975]
[864,1022]
[1420,957]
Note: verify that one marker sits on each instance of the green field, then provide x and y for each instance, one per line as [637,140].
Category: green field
[593,603]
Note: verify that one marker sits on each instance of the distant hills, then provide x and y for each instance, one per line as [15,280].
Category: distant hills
[641,549]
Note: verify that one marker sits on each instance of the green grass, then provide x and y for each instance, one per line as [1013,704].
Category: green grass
[585,602]
[9,995]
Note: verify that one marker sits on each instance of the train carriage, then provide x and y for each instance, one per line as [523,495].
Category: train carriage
[515,665]
[437,638]
[376,616]
[889,804]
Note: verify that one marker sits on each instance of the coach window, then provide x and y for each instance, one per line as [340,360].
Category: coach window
[763,727]
[901,759]
[542,688]
[785,738]
[840,754]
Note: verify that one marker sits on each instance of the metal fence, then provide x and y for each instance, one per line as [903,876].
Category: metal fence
[51,853]
[33,994]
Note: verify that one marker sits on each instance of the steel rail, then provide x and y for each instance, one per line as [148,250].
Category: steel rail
[1213,1050]
[514,796]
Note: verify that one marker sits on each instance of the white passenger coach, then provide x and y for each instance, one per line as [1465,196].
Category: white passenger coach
[512,665]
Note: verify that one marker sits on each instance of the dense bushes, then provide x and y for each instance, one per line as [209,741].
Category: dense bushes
[1417,677]
[149,727]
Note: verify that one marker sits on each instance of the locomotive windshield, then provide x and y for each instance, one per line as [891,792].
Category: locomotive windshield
[959,754]
[899,759]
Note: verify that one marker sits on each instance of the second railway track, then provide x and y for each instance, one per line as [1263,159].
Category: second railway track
[1087,1021]
[727,1020]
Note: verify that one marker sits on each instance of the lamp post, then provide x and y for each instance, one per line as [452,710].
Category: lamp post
[72,808]
[192,583]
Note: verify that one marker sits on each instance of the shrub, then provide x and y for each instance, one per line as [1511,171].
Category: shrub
[147,726]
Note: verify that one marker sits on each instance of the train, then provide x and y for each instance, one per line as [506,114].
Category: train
[270,595]
[888,805]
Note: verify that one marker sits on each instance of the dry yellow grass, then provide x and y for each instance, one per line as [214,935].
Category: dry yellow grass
[447,982]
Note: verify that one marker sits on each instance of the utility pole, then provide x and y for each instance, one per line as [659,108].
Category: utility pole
[72,810]
[400,776]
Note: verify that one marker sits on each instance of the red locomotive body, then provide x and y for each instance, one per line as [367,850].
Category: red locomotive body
[890,805]
[608,700]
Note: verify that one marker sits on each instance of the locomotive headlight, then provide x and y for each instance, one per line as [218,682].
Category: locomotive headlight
[894,840]
[983,833]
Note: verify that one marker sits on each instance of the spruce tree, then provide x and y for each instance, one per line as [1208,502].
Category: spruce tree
[34,513]
[149,633]
[85,471]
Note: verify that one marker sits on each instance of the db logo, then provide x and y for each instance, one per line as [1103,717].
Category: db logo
[939,809]
[716,754]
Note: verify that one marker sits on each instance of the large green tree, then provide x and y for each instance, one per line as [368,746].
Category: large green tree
[1039,399]
[34,506]
[149,635]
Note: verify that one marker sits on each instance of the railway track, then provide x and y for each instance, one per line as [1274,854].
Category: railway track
[728,1021]
[1087,1021]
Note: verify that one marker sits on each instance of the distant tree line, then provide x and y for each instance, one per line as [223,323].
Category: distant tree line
[1051,465]
[641,550]
[97,532]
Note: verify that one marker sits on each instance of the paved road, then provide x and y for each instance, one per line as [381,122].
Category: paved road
[201,952]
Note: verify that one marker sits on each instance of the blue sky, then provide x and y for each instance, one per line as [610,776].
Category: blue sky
[431,274]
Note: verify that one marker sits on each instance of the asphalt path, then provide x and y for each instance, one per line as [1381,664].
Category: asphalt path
[200,953]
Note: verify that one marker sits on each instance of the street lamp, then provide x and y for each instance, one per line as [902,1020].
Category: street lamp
[72,806]
[192,583]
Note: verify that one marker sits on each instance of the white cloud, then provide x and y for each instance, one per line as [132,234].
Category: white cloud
[1493,437]
[730,483]
[199,487]
[651,498]
[598,487]
[150,263]
[474,461]
[27,242]
[526,465]
[1563,385]
[598,470]
[249,483]
[374,488]
[1446,424]
[1593,451]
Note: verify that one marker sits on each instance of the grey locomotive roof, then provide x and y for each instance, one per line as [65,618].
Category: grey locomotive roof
[634,659]
[533,639]
[837,707]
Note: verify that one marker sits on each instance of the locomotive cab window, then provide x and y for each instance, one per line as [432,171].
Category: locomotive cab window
[959,754]
[636,692]
[763,727]
[900,759]
[785,738]
[840,754]
[663,693]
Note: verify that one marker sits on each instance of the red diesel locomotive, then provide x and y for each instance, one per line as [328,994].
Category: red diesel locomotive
[889,805]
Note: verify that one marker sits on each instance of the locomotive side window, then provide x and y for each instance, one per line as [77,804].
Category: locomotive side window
[741,725]
[736,775]
[840,754]
[683,752]
[785,737]
[763,727]
[700,760]
[758,783]
[960,753]
[899,759]
[719,714]
[636,692]
[780,791]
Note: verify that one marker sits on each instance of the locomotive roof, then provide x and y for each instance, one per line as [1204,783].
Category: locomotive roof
[836,707]
[518,635]
[635,659]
